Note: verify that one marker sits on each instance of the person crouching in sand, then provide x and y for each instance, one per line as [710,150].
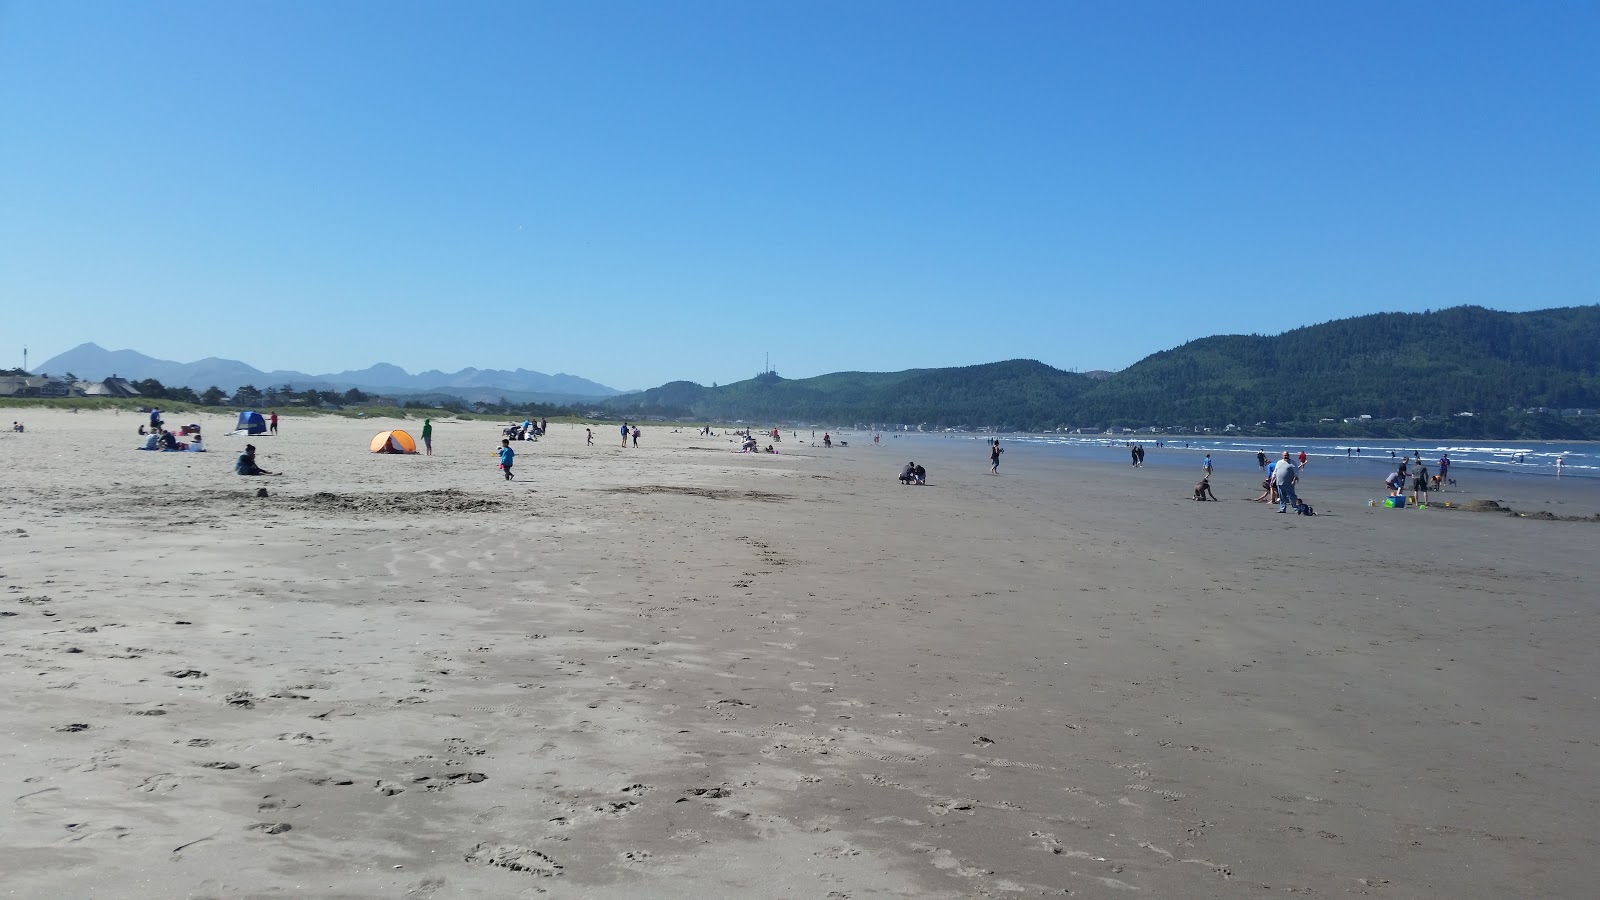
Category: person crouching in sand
[246,464]
[1202,491]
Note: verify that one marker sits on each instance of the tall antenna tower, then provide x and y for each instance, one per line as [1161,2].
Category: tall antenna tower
[24,357]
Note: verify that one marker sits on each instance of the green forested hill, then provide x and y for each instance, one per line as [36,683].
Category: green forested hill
[1389,365]
[1466,359]
[1018,393]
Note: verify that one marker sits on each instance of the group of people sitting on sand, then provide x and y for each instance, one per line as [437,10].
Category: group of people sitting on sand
[167,441]
[913,474]
[751,445]
[528,430]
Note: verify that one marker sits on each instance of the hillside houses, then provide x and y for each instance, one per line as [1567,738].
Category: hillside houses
[47,386]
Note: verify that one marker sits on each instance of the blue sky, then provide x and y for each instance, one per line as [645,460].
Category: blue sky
[642,192]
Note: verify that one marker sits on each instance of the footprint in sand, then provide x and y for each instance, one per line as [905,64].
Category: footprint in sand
[424,889]
[514,858]
[164,783]
[270,827]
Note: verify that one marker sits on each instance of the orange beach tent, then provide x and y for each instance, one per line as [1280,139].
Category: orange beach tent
[394,442]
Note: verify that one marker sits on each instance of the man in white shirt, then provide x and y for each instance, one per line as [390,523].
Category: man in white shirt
[1284,475]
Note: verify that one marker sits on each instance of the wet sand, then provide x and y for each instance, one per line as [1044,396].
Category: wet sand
[680,671]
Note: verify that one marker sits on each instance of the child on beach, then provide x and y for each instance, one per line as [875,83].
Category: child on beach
[507,457]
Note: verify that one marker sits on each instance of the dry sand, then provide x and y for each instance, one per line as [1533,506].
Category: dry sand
[681,672]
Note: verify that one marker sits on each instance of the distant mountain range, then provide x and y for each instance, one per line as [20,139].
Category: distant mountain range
[92,362]
[1410,372]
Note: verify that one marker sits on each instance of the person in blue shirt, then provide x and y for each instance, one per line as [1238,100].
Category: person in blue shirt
[507,456]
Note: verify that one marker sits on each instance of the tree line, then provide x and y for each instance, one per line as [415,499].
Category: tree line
[1419,368]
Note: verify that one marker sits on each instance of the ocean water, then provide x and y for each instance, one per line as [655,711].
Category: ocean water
[1531,459]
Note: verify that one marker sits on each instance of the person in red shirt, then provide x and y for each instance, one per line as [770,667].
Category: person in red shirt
[272,423]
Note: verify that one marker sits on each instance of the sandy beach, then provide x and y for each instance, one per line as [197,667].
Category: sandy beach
[678,671]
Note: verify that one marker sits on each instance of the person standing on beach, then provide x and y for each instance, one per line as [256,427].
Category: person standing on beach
[1302,459]
[1261,459]
[1419,486]
[272,422]
[994,457]
[427,436]
[624,434]
[507,457]
[1208,465]
[1134,452]
[1561,463]
[1283,478]
[636,437]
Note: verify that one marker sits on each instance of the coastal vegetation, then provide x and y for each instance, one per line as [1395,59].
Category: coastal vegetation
[1466,372]
[1518,375]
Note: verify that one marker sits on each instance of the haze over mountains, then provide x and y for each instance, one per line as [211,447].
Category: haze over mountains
[93,362]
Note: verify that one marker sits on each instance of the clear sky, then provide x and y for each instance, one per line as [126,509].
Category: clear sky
[641,192]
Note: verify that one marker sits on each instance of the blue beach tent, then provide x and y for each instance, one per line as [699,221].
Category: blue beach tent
[251,422]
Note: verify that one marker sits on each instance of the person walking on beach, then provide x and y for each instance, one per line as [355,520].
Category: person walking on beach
[1134,452]
[1302,459]
[1208,464]
[994,457]
[1283,478]
[636,437]
[507,457]
[588,437]
[1261,459]
[272,422]
[427,436]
